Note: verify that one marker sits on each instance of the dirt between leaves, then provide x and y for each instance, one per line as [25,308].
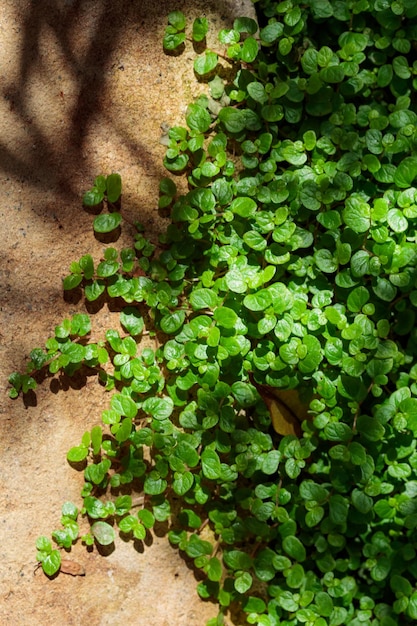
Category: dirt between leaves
[85,88]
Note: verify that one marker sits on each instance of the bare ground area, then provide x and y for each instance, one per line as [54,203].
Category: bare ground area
[85,87]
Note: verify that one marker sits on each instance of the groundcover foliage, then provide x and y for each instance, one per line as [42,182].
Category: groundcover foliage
[284,287]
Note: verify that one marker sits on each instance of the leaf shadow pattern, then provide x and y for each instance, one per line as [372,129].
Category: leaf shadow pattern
[84,41]
[57,23]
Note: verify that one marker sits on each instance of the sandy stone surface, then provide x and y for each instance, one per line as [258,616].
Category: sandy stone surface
[85,88]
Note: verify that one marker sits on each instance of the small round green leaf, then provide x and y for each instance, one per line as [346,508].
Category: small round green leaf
[203,298]
[210,464]
[123,430]
[94,291]
[183,481]
[77,454]
[93,197]
[272,32]
[43,544]
[124,405]
[132,320]
[171,41]
[245,207]
[107,222]
[245,393]
[370,427]
[397,221]
[233,119]
[357,299]
[159,408]
[177,19]
[172,322]
[406,172]
[200,29]
[362,502]
[72,281]
[139,532]
[357,214]
[113,187]
[275,113]
[243,582]
[155,485]
[237,560]
[225,317]
[256,91]
[205,63]
[198,118]
[294,548]
[326,261]
[167,187]
[249,50]
[103,533]
[245,25]
[147,518]
[52,563]
[258,301]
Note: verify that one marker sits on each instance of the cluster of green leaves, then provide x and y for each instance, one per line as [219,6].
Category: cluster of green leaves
[289,265]
[174,36]
[107,189]
[67,351]
[50,557]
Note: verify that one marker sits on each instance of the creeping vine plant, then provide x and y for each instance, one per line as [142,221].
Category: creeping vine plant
[285,285]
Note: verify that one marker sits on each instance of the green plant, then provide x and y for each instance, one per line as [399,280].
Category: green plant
[285,286]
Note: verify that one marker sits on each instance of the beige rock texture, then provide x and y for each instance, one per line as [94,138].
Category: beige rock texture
[85,87]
